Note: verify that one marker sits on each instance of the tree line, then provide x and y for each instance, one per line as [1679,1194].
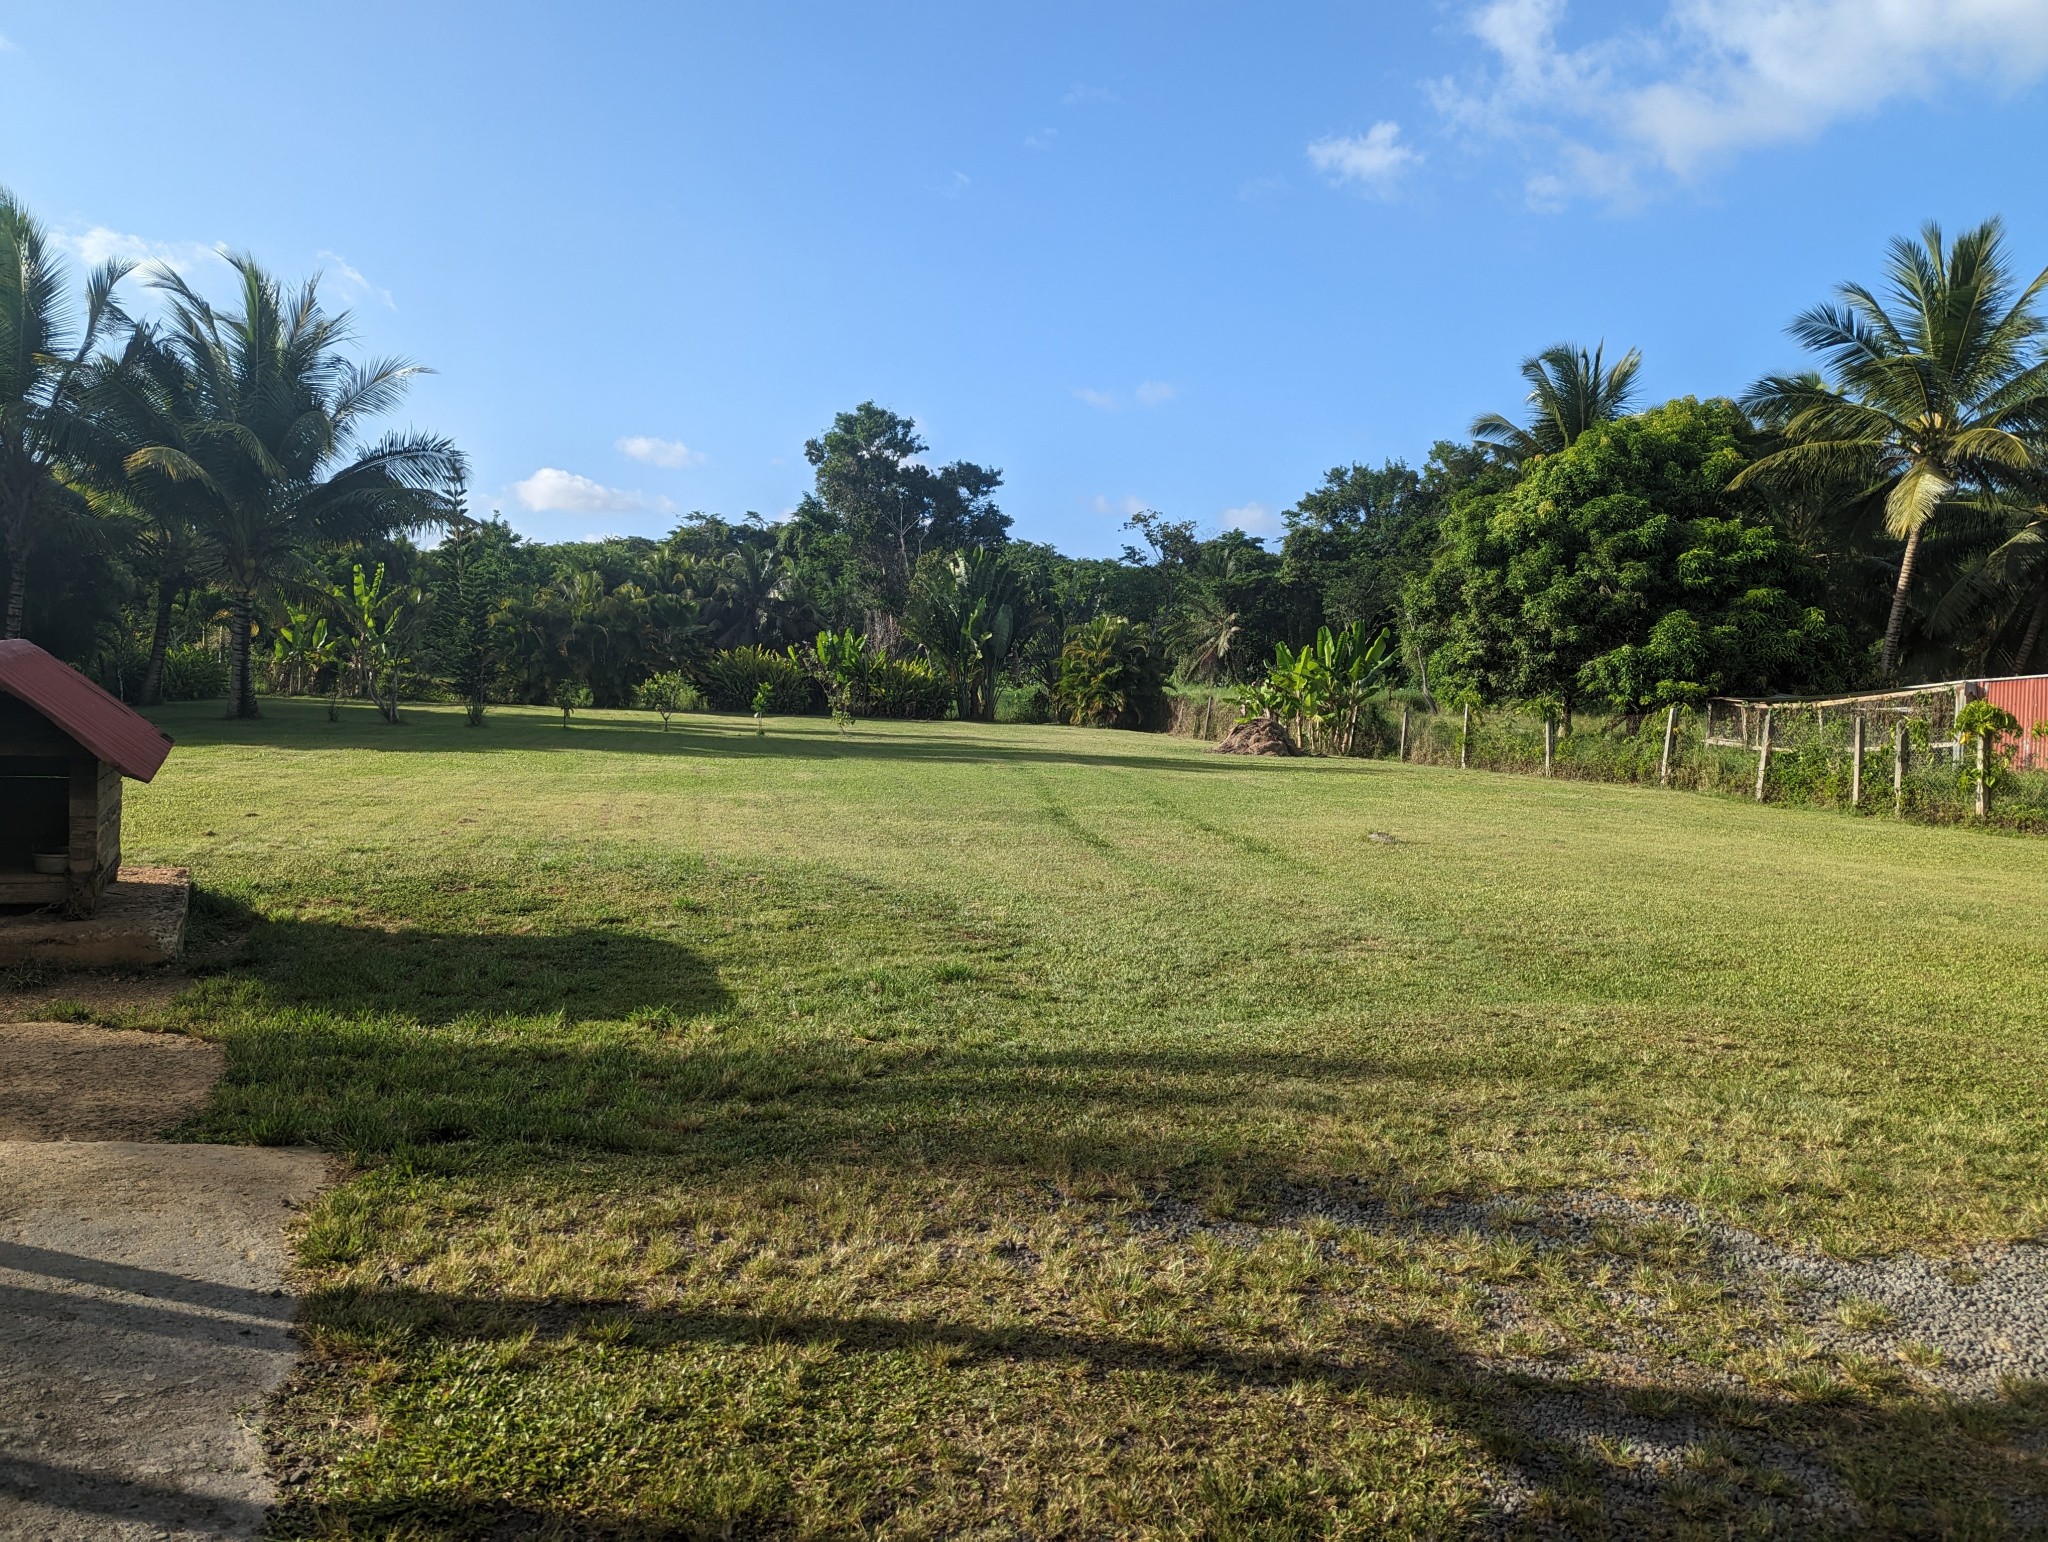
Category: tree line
[204,503]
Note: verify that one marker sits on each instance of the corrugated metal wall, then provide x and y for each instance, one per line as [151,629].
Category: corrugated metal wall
[2026,699]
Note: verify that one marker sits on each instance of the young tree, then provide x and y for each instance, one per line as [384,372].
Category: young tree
[1942,387]
[666,694]
[472,575]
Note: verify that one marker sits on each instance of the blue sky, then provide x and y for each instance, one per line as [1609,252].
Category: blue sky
[1182,256]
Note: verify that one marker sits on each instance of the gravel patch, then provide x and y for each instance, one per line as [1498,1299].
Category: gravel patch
[1971,1325]
[1983,1311]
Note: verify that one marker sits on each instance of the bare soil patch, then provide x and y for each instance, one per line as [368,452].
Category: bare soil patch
[64,1082]
[133,998]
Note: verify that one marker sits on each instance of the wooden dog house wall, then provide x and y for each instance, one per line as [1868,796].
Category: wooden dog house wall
[65,744]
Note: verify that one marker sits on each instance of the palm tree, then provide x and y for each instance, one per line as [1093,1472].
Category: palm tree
[142,399]
[1570,391]
[41,357]
[271,442]
[747,586]
[968,611]
[2003,593]
[1941,389]
[1206,633]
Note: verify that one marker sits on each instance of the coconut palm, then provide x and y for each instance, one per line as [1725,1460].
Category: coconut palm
[1941,386]
[272,442]
[1570,391]
[143,398]
[1205,634]
[42,354]
[2000,600]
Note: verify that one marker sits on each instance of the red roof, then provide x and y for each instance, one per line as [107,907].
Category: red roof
[113,731]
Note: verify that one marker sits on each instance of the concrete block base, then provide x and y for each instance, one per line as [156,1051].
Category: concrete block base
[140,923]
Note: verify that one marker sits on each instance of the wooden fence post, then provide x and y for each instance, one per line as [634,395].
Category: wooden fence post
[1465,740]
[1899,771]
[1670,733]
[1549,741]
[1856,763]
[1763,756]
[1404,733]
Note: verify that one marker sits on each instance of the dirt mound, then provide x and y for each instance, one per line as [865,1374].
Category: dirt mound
[1262,737]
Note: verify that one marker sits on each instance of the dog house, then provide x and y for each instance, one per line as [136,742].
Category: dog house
[65,744]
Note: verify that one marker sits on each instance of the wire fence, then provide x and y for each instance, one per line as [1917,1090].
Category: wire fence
[1893,754]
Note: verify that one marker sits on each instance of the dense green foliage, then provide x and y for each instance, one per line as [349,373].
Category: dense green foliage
[1111,676]
[736,679]
[1621,571]
[217,480]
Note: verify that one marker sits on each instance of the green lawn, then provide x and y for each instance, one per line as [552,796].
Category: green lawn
[950,1130]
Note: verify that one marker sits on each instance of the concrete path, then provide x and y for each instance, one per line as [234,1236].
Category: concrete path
[143,1314]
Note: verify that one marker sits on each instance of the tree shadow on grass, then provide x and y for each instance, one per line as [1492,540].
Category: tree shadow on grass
[433,977]
[528,1055]
[379,1041]
[1572,1458]
[801,739]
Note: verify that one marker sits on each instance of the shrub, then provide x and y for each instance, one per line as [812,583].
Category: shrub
[1023,704]
[1111,676]
[907,688]
[194,674]
[731,680]
[840,662]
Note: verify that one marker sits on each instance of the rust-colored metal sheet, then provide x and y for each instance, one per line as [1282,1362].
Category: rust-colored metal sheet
[2026,698]
[112,730]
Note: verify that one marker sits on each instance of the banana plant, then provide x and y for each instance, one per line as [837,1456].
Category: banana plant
[376,613]
[968,611]
[842,666]
[1320,689]
[301,649]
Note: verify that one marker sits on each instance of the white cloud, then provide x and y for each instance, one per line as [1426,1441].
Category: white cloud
[1081,95]
[1125,506]
[1373,161]
[189,259]
[1709,79]
[1041,139]
[551,491]
[671,454]
[8,46]
[1149,393]
[353,280]
[959,183]
[1253,518]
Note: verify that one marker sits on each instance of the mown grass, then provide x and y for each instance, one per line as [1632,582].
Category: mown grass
[943,1130]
